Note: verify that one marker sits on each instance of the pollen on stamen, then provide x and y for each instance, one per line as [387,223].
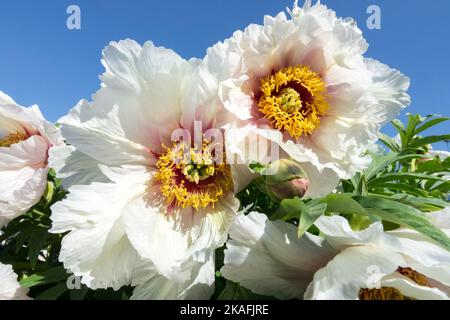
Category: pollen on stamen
[11,139]
[388,293]
[293,100]
[192,181]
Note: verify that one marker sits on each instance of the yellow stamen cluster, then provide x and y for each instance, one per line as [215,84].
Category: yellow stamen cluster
[296,111]
[11,139]
[190,178]
[388,293]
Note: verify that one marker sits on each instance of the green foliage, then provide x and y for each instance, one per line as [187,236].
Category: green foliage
[29,247]
[234,291]
[408,167]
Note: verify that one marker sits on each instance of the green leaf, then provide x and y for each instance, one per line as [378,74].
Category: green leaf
[48,195]
[54,292]
[404,187]
[443,186]
[257,167]
[360,222]
[432,166]
[420,203]
[429,140]
[233,291]
[50,276]
[343,204]
[398,176]
[288,209]
[430,124]
[79,294]
[413,121]
[399,126]
[310,212]
[379,163]
[10,230]
[24,235]
[389,142]
[362,188]
[36,243]
[405,215]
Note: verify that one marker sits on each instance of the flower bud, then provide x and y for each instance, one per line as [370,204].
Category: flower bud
[288,181]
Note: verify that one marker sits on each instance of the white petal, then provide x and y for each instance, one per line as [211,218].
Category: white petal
[15,118]
[97,247]
[199,97]
[320,183]
[21,189]
[441,218]
[242,176]
[411,289]
[269,259]
[200,285]
[5,99]
[74,167]
[340,235]
[10,288]
[102,256]
[389,90]
[119,60]
[421,253]
[23,172]
[144,83]
[126,68]
[156,237]
[168,240]
[351,270]
[101,136]
[29,153]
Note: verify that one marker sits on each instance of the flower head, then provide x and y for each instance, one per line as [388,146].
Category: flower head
[146,176]
[303,83]
[25,140]
[341,264]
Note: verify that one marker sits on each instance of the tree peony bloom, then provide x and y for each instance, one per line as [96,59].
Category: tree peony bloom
[303,83]
[144,208]
[10,289]
[268,258]
[25,139]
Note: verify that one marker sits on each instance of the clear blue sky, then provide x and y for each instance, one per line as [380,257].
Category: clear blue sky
[43,62]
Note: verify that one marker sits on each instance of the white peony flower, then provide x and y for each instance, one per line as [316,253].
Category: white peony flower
[25,139]
[303,83]
[10,289]
[138,211]
[268,258]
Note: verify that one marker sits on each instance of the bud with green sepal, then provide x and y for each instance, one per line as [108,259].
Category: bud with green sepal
[288,180]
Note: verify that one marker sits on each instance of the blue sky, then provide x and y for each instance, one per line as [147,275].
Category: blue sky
[44,63]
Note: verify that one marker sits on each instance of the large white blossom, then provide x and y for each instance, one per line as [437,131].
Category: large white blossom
[25,139]
[303,82]
[10,288]
[268,258]
[134,215]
